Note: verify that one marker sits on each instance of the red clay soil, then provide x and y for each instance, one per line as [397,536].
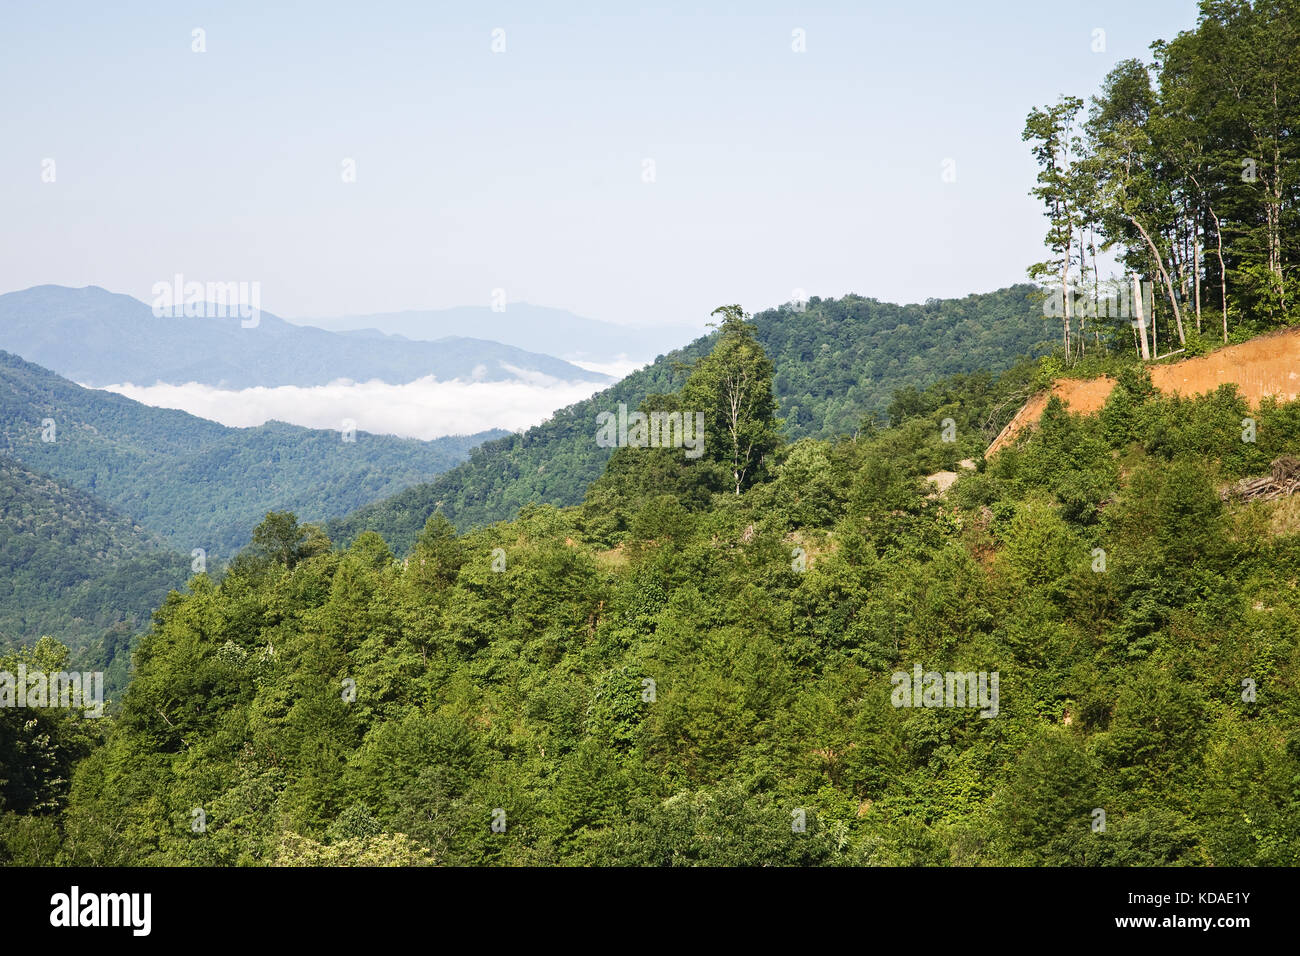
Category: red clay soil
[1269,365]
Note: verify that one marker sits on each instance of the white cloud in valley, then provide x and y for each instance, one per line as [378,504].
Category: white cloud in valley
[425,408]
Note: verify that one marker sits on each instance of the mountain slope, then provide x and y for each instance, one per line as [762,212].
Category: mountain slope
[100,338]
[193,482]
[675,700]
[1262,368]
[532,327]
[835,363]
[70,566]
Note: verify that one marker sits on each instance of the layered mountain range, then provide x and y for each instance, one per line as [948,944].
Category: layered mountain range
[101,338]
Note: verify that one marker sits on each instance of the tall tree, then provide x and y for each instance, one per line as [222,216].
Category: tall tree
[1052,131]
[1135,193]
[732,386]
[280,539]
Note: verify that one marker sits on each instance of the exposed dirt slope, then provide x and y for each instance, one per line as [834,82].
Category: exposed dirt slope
[1269,365]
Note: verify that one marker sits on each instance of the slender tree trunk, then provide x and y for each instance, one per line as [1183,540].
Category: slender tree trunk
[1096,288]
[1275,222]
[1277,239]
[1065,301]
[1155,338]
[1083,311]
[1223,271]
[1196,269]
[734,400]
[1177,254]
[1141,318]
[1169,286]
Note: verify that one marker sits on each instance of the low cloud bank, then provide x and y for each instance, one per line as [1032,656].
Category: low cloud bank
[425,408]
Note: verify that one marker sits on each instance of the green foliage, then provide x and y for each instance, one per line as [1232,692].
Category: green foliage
[711,685]
[1186,169]
[195,483]
[39,746]
[732,385]
[834,364]
[71,567]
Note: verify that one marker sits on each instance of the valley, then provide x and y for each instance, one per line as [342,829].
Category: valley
[943,511]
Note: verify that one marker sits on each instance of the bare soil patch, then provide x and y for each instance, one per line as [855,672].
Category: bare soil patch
[1263,367]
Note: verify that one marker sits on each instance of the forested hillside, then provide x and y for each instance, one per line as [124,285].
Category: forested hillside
[193,482]
[836,363]
[840,631]
[675,673]
[72,567]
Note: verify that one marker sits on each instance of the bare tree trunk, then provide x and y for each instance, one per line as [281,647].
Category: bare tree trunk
[1096,288]
[733,424]
[1065,301]
[1141,317]
[1083,312]
[1223,270]
[1176,253]
[1155,339]
[1169,286]
[1196,269]
[1275,220]
[1276,240]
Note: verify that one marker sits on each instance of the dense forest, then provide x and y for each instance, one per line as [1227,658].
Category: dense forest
[678,672]
[798,648]
[1188,170]
[71,566]
[836,362]
[193,482]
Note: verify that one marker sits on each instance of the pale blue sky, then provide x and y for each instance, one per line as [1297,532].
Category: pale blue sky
[522,170]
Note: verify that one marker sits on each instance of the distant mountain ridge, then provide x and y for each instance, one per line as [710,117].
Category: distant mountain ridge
[532,327]
[836,363]
[193,482]
[102,338]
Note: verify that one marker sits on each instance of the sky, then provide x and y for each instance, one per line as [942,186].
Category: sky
[640,165]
